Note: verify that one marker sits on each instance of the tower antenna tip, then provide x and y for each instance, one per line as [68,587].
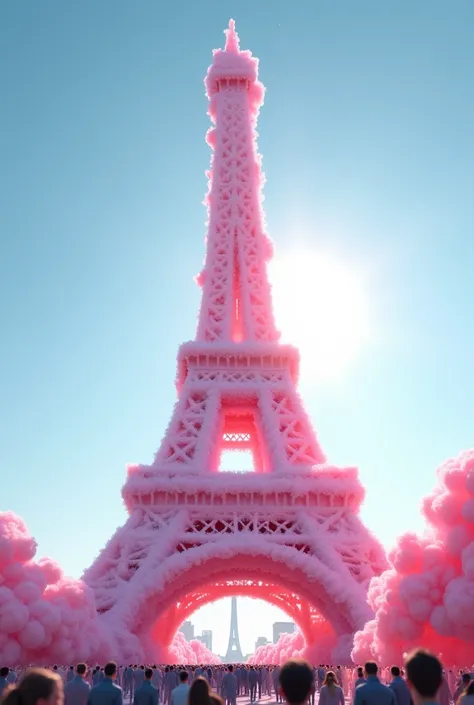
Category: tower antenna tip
[232,38]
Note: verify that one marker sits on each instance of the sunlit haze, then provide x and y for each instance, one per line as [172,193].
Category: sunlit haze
[322,307]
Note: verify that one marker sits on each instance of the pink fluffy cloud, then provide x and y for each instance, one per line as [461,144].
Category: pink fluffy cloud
[43,615]
[427,596]
[190,652]
[293,646]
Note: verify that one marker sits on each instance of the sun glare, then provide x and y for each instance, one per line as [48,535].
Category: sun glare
[321,307]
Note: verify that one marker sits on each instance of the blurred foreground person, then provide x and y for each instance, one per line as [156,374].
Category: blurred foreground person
[3,679]
[37,686]
[296,681]
[200,693]
[424,676]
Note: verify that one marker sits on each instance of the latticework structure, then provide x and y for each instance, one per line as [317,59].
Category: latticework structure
[288,529]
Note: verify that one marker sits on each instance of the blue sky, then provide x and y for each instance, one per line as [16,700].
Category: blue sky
[366,136]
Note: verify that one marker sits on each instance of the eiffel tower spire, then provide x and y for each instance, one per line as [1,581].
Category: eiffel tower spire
[234,652]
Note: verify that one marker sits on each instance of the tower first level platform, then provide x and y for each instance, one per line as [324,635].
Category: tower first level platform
[240,397]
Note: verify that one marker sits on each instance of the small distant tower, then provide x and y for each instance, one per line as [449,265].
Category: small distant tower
[234,652]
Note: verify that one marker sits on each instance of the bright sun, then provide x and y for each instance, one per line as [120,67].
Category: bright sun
[321,307]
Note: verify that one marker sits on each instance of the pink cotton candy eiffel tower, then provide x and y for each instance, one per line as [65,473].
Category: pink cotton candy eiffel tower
[286,531]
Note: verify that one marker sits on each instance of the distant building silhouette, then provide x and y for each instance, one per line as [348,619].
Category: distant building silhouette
[206,638]
[280,628]
[261,641]
[187,628]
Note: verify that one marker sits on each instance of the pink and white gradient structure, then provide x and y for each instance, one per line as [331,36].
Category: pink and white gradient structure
[287,532]
[427,596]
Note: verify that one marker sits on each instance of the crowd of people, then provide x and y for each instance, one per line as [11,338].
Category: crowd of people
[422,682]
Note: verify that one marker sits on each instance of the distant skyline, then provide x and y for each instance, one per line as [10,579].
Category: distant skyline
[366,137]
[194,628]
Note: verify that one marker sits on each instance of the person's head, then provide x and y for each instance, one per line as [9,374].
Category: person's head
[110,669]
[371,668]
[37,686]
[81,669]
[296,681]
[231,668]
[395,671]
[200,692]
[4,672]
[330,679]
[183,676]
[466,679]
[360,672]
[148,674]
[424,675]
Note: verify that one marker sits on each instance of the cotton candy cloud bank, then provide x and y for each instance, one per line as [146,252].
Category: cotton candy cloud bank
[190,652]
[44,616]
[293,646]
[427,596]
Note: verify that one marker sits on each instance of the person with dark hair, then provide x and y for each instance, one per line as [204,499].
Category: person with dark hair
[128,681]
[467,698]
[360,678]
[373,692]
[230,687]
[77,691]
[253,681]
[3,679]
[146,694]
[170,683]
[276,683]
[399,687]
[38,685]
[106,692]
[296,681]
[465,680]
[179,695]
[424,676]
